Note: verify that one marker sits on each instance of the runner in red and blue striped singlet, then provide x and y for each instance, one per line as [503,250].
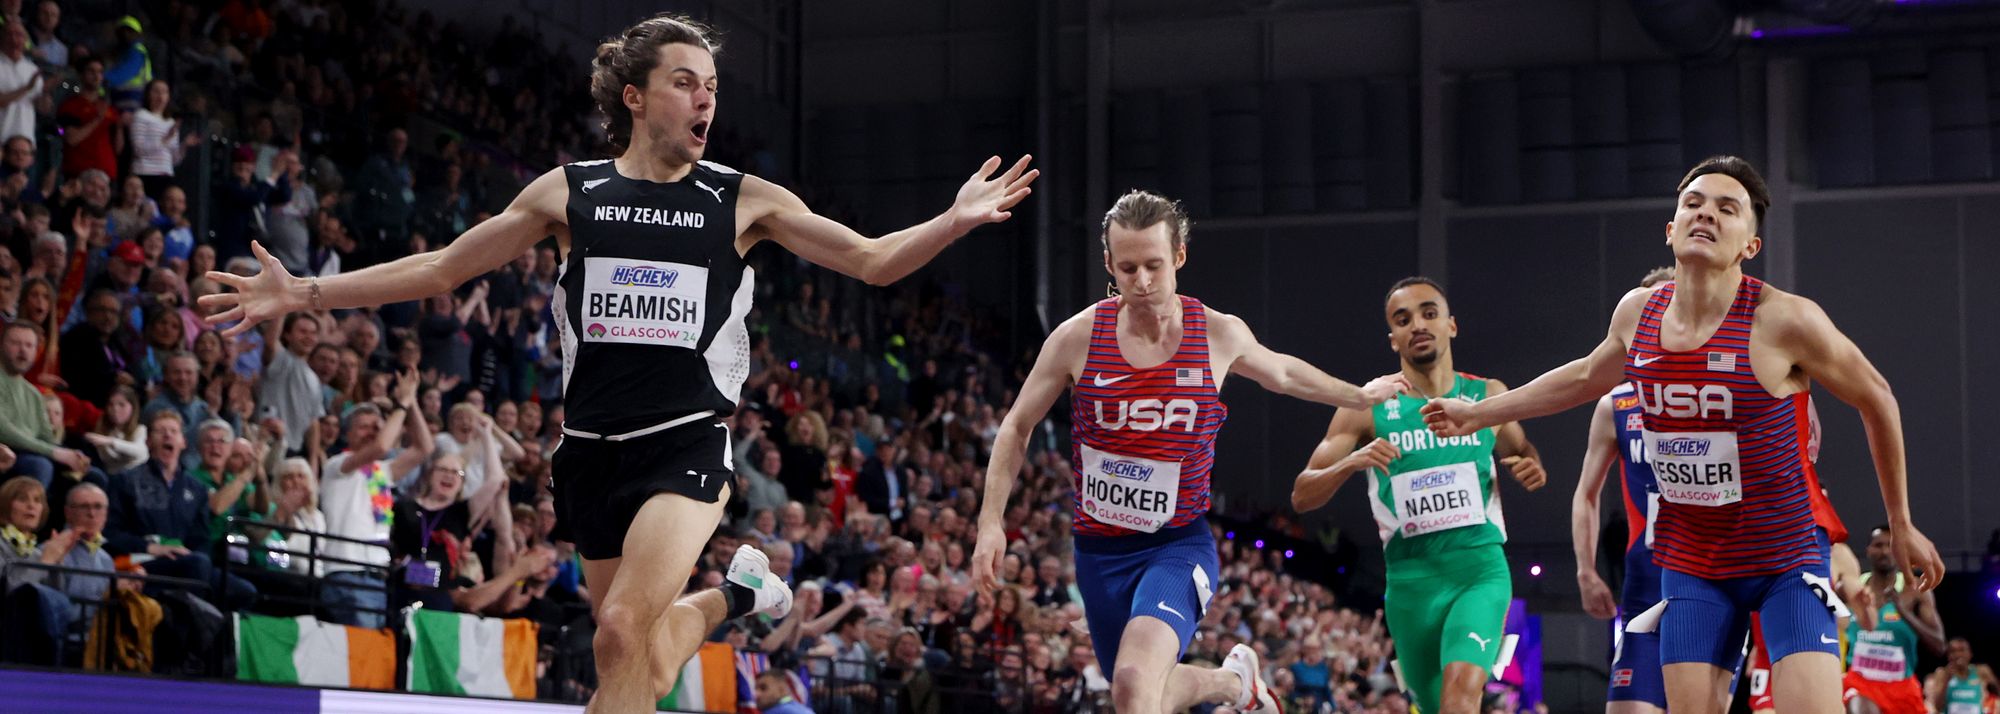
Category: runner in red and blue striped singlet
[1138,427]
[1734,497]
[1143,441]
[1723,364]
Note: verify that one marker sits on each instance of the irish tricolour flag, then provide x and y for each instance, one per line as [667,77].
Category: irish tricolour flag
[302,650]
[452,653]
[708,682]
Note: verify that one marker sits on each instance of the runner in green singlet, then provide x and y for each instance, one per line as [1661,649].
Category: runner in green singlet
[1436,505]
[1889,623]
[1961,687]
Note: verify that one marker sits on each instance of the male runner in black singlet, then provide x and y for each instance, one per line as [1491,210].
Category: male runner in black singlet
[650,304]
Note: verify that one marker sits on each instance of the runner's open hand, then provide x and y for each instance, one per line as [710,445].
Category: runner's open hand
[268,295]
[985,198]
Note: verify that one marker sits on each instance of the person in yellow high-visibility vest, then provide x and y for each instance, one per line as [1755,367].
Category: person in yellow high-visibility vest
[129,66]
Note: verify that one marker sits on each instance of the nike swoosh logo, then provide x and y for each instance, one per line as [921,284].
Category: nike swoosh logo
[1099,380]
[1177,613]
[1643,361]
[1824,640]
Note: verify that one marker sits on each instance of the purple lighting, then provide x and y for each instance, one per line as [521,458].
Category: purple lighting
[1760,33]
[794,364]
[1260,544]
[1288,555]
[1229,535]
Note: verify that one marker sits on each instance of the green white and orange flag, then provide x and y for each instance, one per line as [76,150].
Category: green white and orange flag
[451,653]
[302,650]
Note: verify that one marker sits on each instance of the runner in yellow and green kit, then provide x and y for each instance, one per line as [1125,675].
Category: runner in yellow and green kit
[1436,505]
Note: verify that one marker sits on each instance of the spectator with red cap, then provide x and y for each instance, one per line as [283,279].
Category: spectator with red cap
[239,198]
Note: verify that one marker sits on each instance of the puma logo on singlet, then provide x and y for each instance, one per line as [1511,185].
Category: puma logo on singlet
[705,187]
[1483,642]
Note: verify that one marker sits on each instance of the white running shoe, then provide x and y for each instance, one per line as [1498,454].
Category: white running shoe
[1256,695]
[752,569]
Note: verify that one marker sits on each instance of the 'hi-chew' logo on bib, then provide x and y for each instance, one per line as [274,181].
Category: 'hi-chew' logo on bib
[644,302]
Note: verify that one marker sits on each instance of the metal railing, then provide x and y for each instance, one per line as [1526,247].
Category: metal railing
[245,545]
[86,612]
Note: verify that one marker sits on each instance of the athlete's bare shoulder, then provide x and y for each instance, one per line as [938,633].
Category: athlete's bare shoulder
[1068,345]
[1787,317]
[1625,317]
[1224,326]
[546,196]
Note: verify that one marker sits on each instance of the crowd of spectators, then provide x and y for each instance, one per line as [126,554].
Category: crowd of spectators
[414,438]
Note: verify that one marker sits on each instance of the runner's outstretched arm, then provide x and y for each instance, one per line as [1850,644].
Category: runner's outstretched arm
[1827,355]
[1051,375]
[777,214]
[1578,382]
[1288,375]
[535,214]
[1597,598]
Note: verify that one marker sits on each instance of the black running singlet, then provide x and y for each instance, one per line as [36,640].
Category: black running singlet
[651,299]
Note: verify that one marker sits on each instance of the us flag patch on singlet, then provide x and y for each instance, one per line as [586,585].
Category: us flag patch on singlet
[1187,377]
[1721,361]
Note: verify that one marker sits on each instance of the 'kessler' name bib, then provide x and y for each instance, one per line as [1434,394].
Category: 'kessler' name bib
[643,302]
[1130,492]
[1438,499]
[1696,468]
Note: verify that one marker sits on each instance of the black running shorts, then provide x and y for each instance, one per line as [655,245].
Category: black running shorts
[600,484]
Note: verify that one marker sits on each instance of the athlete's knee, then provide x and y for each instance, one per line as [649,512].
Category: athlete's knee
[1132,689]
[1463,686]
[623,630]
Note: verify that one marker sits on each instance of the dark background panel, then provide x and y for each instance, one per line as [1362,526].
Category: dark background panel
[1515,284]
[1886,273]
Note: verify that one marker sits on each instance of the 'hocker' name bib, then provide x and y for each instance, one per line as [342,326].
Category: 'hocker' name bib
[643,302]
[1130,492]
[1438,499]
[1696,468]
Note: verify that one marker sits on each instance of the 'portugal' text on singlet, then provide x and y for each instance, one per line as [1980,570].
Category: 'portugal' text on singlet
[1143,440]
[1439,495]
[1729,457]
[651,299]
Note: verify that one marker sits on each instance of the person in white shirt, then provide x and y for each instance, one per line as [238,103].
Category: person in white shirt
[20,83]
[157,144]
[356,495]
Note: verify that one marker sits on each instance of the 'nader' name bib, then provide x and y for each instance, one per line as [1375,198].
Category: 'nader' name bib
[1438,499]
[1696,468]
[643,302]
[1130,492]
